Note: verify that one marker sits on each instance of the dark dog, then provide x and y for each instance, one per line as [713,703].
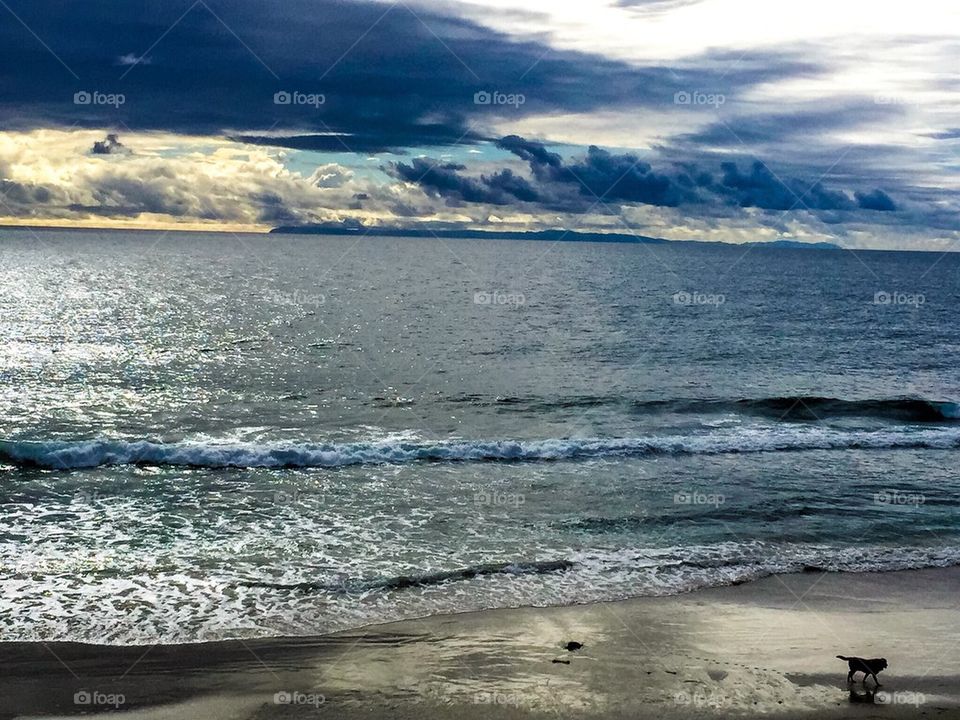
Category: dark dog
[867,667]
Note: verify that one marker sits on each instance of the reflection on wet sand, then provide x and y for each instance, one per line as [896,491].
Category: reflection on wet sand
[744,650]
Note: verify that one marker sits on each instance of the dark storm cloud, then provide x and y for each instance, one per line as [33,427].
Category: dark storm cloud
[272,209]
[763,127]
[507,182]
[19,197]
[110,145]
[876,200]
[603,175]
[623,178]
[760,187]
[797,146]
[542,161]
[388,78]
[444,180]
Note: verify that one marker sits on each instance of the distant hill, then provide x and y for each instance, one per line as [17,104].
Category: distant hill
[555,235]
[551,235]
[798,244]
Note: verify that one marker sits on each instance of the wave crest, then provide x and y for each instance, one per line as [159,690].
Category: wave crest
[66,455]
[784,407]
[402,582]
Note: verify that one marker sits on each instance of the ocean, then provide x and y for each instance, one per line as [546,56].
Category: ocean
[210,436]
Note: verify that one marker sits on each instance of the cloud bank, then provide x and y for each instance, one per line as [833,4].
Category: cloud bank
[248,114]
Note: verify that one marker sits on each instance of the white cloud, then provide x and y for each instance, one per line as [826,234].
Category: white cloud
[202,181]
[627,32]
[131,59]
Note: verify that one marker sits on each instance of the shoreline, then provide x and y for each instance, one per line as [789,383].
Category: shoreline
[371,627]
[763,647]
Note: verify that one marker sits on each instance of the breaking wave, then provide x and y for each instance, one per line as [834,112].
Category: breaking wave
[785,407]
[65,455]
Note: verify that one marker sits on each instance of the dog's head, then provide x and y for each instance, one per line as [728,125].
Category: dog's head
[883,663]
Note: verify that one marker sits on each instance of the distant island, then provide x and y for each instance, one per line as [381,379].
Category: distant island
[554,235]
[798,244]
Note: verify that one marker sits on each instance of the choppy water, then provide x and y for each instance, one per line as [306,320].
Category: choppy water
[210,436]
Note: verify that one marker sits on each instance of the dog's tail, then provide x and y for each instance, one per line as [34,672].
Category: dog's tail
[842,657]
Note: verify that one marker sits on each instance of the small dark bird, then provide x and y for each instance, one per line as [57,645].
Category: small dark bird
[867,666]
[573,645]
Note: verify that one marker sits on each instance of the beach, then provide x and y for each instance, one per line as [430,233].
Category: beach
[762,648]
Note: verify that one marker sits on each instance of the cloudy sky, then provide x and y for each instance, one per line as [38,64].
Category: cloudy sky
[728,120]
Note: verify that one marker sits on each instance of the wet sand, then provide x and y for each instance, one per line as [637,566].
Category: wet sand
[764,648]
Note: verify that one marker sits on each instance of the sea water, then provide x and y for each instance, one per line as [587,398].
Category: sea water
[210,436]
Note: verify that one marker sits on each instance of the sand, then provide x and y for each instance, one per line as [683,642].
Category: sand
[764,648]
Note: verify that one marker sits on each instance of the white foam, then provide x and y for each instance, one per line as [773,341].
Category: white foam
[180,607]
[754,439]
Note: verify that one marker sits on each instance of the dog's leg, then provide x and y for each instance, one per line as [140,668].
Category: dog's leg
[876,679]
[850,676]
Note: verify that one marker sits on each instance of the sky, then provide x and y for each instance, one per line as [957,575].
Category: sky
[721,120]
